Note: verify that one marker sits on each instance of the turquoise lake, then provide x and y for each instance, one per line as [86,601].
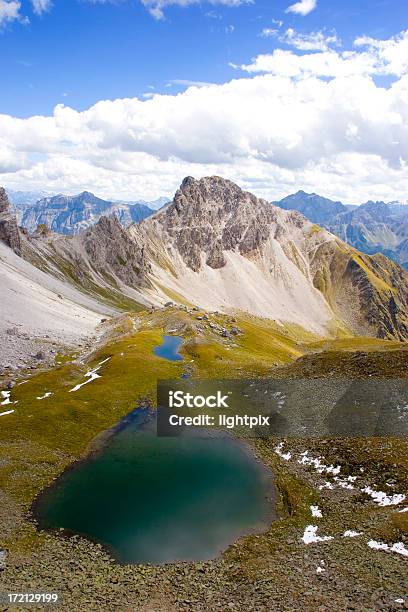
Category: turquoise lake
[158,500]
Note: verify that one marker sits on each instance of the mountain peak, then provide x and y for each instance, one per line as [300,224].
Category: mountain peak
[86,194]
[316,208]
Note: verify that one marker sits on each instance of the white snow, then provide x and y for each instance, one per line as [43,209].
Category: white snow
[316,462]
[316,512]
[47,394]
[310,535]
[6,395]
[91,375]
[382,499]
[399,600]
[343,483]
[278,451]
[7,412]
[352,534]
[326,485]
[404,510]
[398,547]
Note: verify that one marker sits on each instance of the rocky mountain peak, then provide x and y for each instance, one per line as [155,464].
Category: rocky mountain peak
[8,224]
[211,216]
[378,209]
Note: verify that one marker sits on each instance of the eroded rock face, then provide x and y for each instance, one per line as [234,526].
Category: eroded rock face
[110,249]
[213,215]
[8,225]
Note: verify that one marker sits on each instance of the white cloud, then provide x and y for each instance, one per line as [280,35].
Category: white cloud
[41,6]
[156,7]
[9,11]
[324,64]
[269,32]
[304,7]
[377,57]
[344,136]
[393,53]
[314,41]
[187,83]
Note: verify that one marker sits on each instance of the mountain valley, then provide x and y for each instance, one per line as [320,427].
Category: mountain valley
[253,291]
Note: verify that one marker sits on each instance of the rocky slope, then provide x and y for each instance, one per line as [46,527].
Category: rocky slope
[375,227]
[40,311]
[72,214]
[221,248]
[226,248]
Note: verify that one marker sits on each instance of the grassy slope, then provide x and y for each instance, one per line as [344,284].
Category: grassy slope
[44,436]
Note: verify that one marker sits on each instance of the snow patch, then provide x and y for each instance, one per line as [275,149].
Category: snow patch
[7,400]
[7,412]
[310,535]
[352,534]
[317,464]
[279,451]
[382,499]
[398,547]
[316,512]
[46,394]
[91,375]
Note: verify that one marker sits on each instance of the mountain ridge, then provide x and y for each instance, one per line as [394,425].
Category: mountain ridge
[372,227]
[222,248]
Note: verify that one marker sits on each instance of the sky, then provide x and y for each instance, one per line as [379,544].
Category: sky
[126,97]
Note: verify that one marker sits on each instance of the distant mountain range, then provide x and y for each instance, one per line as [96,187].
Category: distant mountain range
[221,248]
[72,214]
[373,227]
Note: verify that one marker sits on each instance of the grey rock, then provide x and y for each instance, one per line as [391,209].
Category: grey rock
[3,557]
[9,233]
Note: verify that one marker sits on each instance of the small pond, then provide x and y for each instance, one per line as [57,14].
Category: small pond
[169,348]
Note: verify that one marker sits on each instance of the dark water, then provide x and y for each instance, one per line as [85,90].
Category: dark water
[157,500]
[168,349]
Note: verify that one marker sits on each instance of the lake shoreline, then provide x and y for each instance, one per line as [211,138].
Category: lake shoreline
[99,443]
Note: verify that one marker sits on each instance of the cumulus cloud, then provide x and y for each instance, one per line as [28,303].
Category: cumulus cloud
[317,121]
[304,7]
[9,11]
[373,57]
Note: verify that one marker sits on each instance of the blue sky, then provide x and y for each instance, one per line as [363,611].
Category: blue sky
[126,98]
[78,52]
